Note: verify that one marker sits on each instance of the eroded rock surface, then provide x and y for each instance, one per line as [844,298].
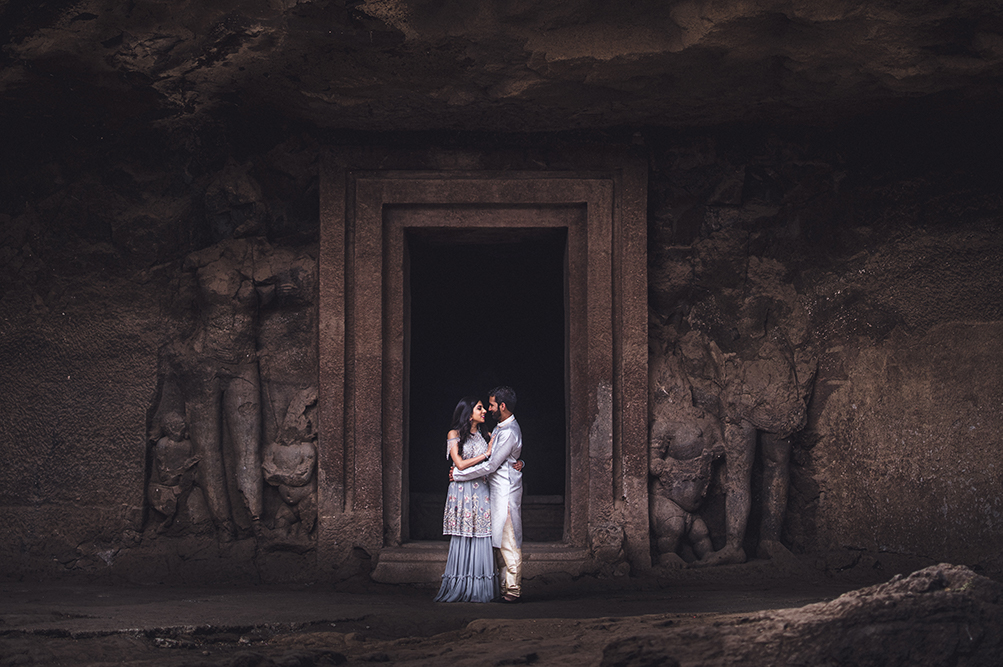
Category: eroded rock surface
[554,65]
[941,615]
[937,616]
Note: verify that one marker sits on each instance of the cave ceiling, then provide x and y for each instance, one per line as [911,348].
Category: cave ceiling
[493,65]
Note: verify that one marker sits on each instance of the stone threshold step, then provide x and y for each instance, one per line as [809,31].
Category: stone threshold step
[424,562]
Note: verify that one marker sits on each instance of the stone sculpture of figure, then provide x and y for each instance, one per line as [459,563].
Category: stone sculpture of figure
[286,283]
[172,475]
[221,382]
[289,465]
[684,442]
[678,489]
[739,334]
[245,375]
[764,390]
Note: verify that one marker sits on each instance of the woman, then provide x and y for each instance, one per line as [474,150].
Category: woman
[470,568]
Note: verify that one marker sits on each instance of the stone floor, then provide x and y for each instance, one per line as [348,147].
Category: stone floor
[356,621]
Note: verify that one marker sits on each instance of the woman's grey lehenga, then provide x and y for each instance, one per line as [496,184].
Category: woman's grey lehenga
[470,574]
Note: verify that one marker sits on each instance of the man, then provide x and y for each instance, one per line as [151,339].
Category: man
[505,482]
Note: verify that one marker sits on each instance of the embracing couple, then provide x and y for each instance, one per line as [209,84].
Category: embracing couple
[484,504]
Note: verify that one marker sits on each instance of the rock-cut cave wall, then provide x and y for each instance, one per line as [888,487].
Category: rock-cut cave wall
[869,255]
[875,257]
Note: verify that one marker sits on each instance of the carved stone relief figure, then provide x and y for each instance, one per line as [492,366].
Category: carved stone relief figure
[684,442]
[172,476]
[243,376]
[289,466]
[740,358]
[764,392]
[221,382]
[286,283]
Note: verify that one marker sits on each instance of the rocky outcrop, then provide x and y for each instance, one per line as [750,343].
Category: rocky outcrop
[942,615]
[555,65]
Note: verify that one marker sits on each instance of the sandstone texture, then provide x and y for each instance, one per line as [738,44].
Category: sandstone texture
[824,254]
[502,66]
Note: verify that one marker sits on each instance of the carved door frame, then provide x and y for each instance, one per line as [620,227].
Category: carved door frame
[361,464]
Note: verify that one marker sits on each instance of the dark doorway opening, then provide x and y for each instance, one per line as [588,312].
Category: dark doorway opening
[487,307]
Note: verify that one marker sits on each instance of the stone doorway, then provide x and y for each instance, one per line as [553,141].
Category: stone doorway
[376,206]
[486,306]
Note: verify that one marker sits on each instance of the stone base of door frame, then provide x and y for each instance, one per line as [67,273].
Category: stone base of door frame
[424,562]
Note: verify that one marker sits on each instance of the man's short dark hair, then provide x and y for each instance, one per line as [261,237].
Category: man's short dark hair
[504,395]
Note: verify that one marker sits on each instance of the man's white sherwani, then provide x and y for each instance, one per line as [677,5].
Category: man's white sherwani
[504,481]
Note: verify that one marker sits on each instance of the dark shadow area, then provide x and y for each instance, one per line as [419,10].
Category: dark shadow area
[487,308]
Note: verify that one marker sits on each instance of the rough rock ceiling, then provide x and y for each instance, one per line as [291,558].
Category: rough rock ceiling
[494,65]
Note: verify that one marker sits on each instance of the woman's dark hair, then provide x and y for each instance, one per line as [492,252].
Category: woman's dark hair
[504,395]
[461,418]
